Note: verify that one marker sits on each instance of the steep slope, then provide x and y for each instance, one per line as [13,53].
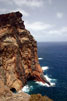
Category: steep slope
[18,53]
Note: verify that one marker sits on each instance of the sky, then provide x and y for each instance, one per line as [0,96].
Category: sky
[45,19]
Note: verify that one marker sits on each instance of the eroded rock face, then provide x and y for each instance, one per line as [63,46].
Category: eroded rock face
[7,95]
[18,52]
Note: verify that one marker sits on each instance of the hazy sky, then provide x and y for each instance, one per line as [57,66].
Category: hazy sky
[45,19]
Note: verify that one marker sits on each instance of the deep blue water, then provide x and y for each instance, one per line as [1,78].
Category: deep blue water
[55,57]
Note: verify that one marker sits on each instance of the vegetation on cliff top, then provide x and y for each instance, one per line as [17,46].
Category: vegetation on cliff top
[39,97]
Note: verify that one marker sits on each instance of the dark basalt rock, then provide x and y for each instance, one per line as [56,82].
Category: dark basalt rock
[12,19]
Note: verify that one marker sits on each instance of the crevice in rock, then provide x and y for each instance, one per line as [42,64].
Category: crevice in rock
[13,90]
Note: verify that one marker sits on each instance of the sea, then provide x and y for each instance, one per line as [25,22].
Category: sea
[53,60]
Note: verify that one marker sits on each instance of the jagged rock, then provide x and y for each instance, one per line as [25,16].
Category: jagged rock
[18,52]
[7,95]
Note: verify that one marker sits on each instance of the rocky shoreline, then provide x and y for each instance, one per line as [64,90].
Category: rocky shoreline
[18,58]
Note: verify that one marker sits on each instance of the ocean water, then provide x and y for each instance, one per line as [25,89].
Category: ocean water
[53,59]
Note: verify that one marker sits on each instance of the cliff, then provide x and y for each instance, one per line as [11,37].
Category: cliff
[18,53]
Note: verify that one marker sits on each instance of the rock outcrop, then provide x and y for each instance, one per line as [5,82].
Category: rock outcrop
[39,97]
[7,95]
[18,53]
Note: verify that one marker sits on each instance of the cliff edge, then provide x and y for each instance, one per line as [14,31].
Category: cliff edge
[18,53]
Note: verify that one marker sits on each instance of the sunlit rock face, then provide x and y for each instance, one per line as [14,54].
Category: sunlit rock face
[18,52]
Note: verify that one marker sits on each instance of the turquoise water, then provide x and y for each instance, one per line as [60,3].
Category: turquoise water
[53,59]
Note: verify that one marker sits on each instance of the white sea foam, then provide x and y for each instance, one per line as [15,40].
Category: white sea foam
[45,68]
[40,58]
[27,88]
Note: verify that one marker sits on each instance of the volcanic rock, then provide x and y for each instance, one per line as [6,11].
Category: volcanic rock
[18,53]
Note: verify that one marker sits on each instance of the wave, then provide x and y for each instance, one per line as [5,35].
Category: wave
[45,68]
[27,88]
[40,58]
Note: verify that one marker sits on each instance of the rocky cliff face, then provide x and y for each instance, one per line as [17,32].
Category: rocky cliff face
[7,95]
[18,53]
